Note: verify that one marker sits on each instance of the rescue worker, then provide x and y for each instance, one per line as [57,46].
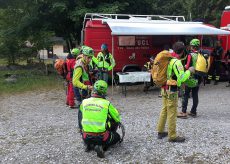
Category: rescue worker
[81,76]
[105,63]
[148,67]
[175,77]
[100,120]
[70,62]
[191,61]
[215,68]
[76,52]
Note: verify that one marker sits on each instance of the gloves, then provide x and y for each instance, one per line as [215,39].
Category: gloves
[191,69]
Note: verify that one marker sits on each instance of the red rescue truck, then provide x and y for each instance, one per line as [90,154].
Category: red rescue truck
[225,39]
[225,25]
[133,39]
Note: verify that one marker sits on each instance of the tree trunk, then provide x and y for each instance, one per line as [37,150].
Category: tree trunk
[68,45]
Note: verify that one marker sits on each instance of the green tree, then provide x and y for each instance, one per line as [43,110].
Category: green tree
[37,20]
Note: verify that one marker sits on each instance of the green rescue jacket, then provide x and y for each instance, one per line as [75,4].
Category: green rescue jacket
[80,75]
[105,61]
[175,71]
[96,113]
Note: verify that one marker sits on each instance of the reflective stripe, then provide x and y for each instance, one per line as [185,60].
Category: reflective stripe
[209,77]
[93,123]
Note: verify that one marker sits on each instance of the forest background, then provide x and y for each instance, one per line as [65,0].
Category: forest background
[36,21]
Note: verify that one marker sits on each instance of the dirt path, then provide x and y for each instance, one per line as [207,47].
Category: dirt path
[36,127]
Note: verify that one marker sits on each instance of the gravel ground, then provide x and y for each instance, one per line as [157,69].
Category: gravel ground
[36,127]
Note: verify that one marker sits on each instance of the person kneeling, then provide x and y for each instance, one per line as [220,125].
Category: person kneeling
[100,120]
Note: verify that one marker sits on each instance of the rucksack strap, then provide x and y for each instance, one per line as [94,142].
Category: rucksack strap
[172,68]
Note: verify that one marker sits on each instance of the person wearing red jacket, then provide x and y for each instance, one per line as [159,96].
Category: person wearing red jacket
[70,63]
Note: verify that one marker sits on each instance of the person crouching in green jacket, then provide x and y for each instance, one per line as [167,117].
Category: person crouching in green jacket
[100,120]
[175,77]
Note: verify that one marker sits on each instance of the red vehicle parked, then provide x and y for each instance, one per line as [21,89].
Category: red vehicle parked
[133,39]
[225,25]
[225,39]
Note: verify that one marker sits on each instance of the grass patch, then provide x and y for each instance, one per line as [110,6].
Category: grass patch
[3,62]
[29,80]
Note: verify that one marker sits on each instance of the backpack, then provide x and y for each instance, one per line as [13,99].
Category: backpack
[60,66]
[159,68]
[202,63]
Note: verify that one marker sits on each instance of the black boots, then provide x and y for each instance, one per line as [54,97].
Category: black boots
[99,150]
[162,135]
[165,134]
[89,147]
[177,139]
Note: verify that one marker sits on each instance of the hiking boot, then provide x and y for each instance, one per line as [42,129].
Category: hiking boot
[162,135]
[72,107]
[105,148]
[182,115]
[192,114]
[177,139]
[99,150]
[89,147]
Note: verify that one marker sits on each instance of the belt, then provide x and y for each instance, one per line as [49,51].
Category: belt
[95,134]
[105,135]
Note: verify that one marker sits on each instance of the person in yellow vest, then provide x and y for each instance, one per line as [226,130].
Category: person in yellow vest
[105,63]
[81,76]
[100,120]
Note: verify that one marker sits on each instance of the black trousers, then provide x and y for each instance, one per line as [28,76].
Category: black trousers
[227,67]
[112,139]
[194,98]
[214,71]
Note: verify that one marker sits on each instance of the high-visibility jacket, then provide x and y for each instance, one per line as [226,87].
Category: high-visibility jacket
[80,74]
[191,59]
[175,72]
[105,61]
[93,63]
[96,113]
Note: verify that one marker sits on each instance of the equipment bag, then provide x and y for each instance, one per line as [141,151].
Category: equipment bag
[203,63]
[60,66]
[159,68]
